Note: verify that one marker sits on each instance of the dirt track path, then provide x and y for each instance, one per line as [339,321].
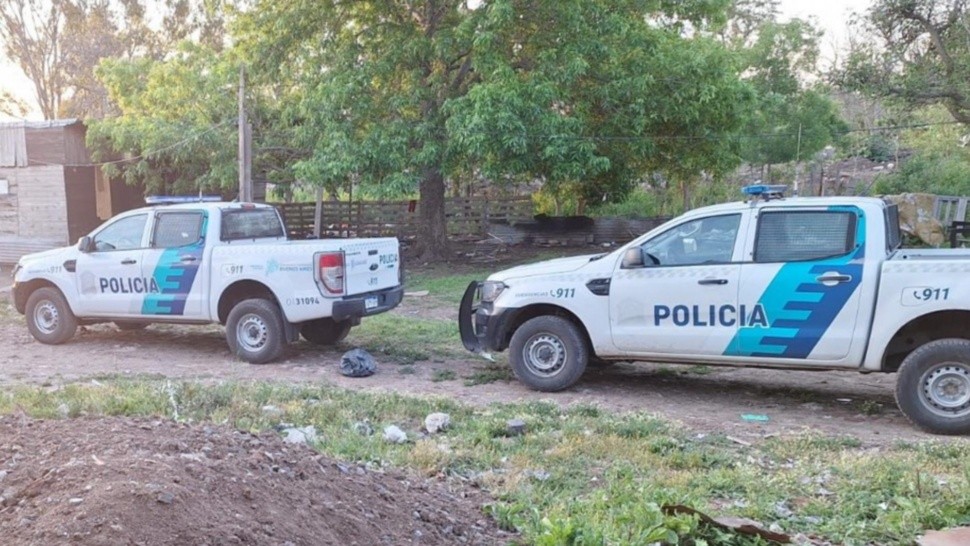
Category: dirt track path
[704,399]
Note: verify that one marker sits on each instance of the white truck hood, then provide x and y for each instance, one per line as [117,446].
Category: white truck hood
[48,257]
[558,265]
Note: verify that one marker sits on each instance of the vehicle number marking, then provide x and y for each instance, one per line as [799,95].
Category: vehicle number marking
[370,302]
[918,295]
[563,293]
[231,270]
[306,301]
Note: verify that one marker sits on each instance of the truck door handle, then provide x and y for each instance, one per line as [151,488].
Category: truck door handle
[833,278]
[187,259]
[128,261]
[712,281]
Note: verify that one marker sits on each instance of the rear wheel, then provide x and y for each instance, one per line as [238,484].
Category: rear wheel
[49,317]
[325,331]
[254,331]
[548,353]
[933,387]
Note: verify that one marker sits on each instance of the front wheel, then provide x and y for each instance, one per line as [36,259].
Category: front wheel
[49,317]
[325,331]
[548,353]
[933,387]
[254,331]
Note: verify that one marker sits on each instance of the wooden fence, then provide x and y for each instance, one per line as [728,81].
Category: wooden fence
[949,209]
[465,217]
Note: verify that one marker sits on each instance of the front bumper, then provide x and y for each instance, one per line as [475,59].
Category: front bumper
[355,307]
[482,327]
[19,303]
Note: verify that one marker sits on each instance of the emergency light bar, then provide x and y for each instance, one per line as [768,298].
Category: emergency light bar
[177,199]
[765,191]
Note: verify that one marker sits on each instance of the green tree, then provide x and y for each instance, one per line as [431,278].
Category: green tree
[940,161]
[405,95]
[915,51]
[59,43]
[790,122]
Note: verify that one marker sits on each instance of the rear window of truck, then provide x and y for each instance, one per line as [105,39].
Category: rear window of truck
[798,236]
[250,224]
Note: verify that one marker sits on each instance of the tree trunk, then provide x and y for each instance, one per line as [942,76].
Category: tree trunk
[433,233]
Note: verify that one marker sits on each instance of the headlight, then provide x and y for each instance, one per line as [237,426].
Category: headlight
[491,290]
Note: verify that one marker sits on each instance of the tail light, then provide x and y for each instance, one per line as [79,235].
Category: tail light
[330,272]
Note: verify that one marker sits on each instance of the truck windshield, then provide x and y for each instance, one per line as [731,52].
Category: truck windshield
[250,224]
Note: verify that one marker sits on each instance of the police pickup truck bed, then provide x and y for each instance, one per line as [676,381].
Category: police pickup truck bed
[197,263]
[800,283]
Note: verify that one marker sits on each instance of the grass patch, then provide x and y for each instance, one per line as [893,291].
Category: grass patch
[8,314]
[447,289]
[489,374]
[582,475]
[408,339]
[443,375]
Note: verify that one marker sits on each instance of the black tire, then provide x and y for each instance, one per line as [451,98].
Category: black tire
[49,317]
[325,331]
[254,331]
[132,326]
[548,353]
[933,386]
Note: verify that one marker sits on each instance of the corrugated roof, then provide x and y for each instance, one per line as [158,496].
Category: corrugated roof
[46,124]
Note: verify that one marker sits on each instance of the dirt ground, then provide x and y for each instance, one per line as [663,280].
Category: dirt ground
[705,399]
[124,481]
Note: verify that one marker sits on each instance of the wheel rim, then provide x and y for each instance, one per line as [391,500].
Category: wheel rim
[544,354]
[945,389]
[46,317]
[252,332]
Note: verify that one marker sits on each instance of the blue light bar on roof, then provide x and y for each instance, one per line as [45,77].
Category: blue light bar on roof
[765,189]
[176,199]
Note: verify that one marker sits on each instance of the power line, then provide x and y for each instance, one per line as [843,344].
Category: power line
[620,138]
[764,136]
[143,155]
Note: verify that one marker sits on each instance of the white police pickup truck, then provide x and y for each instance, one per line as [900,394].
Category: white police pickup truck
[801,283]
[203,262]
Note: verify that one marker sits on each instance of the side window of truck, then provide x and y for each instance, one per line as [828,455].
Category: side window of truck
[175,229]
[123,234]
[703,241]
[804,235]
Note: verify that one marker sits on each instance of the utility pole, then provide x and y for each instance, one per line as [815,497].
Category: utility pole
[798,154]
[245,144]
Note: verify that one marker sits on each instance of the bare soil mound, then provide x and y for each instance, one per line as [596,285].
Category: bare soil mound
[129,481]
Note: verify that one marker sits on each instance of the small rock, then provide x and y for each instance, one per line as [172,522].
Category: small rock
[540,475]
[357,363]
[395,435]
[165,497]
[437,422]
[272,410]
[364,428]
[63,410]
[301,435]
[516,427]
[75,500]
[3,474]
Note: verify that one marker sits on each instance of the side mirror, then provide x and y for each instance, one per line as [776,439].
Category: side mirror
[633,258]
[84,244]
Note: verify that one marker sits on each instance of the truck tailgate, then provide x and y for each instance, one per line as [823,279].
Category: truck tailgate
[371,264]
